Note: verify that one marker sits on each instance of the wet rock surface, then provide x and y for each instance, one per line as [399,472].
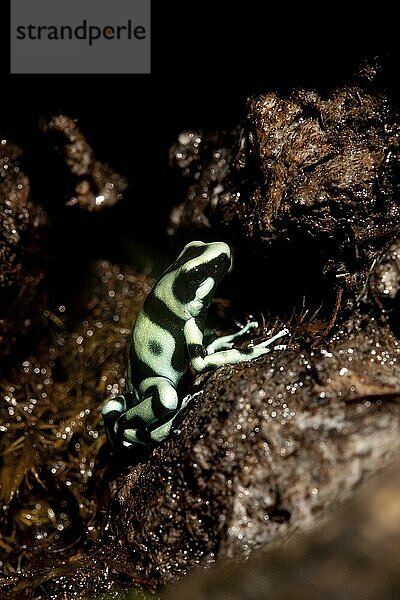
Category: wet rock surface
[266,450]
[203,159]
[355,554]
[309,180]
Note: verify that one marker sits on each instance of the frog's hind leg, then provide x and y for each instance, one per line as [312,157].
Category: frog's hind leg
[158,434]
[160,400]
[111,412]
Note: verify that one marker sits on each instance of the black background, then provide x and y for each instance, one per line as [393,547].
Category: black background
[207,57]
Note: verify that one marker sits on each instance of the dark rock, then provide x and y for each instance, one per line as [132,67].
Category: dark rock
[204,159]
[266,450]
[384,282]
[95,185]
[25,233]
[355,555]
[310,180]
[22,268]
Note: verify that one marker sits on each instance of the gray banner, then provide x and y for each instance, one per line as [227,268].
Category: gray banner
[80,36]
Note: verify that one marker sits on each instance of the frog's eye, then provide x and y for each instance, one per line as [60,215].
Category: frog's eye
[196,275]
[188,282]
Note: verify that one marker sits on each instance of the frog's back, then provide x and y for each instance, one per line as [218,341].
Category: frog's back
[158,346]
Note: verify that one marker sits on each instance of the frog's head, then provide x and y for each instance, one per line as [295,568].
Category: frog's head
[198,270]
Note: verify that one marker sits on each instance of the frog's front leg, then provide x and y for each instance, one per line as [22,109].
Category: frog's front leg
[201,361]
[159,404]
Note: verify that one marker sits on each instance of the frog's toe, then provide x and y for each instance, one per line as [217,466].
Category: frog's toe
[280,347]
[272,339]
[134,437]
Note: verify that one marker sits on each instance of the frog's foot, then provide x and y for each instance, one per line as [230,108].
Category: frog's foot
[134,437]
[162,431]
[111,412]
[226,342]
[267,346]
[147,436]
[271,340]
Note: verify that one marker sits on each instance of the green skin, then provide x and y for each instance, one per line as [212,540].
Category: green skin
[166,339]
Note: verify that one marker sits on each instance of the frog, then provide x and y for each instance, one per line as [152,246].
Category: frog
[168,337]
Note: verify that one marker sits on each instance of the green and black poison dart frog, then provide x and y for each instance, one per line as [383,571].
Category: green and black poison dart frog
[166,338]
